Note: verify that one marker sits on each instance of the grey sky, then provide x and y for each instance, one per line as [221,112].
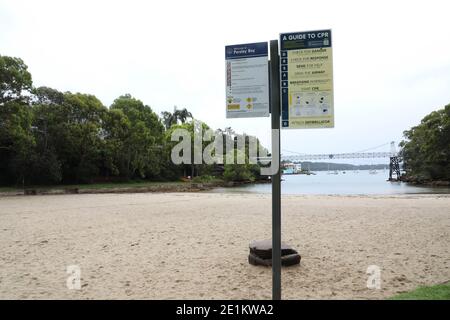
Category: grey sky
[391,58]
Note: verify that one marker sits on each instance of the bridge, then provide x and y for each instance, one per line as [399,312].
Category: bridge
[363,154]
[394,166]
[353,155]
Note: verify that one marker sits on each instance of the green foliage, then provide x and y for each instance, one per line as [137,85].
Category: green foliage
[47,127]
[16,139]
[204,179]
[426,150]
[437,292]
[47,96]
[45,168]
[50,137]
[14,79]
[16,142]
[239,172]
[170,119]
[81,143]
[190,169]
[134,136]
[182,115]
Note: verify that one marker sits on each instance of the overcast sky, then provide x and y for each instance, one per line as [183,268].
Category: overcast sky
[391,58]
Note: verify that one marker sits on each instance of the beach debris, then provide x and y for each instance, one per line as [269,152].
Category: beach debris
[261,254]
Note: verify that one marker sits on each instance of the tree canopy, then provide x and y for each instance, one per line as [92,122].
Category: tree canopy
[15,80]
[52,137]
[426,148]
[169,119]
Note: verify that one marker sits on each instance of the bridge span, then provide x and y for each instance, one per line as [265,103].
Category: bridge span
[394,159]
[351,155]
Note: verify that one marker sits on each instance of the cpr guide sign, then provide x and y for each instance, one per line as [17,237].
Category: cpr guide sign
[306,76]
[247,80]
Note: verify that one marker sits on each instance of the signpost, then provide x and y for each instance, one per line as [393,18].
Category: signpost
[247,80]
[304,71]
[306,80]
[276,177]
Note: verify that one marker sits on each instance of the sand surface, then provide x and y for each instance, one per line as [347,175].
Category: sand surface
[195,245]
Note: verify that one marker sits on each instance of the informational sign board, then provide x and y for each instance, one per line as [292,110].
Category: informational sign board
[247,80]
[306,77]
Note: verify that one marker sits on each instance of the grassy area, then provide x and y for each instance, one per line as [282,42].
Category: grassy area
[131,184]
[135,184]
[8,189]
[207,179]
[115,185]
[437,292]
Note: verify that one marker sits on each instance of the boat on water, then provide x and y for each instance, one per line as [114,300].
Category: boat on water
[373,171]
[292,168]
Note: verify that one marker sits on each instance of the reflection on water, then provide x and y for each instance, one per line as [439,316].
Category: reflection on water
[352,182]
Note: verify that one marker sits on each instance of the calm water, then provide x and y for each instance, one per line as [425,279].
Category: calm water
[351,182]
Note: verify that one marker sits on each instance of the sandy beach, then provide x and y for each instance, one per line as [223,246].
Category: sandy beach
[195,245]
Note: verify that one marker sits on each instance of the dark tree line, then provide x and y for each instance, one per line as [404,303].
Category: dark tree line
[426,148]
[52,137]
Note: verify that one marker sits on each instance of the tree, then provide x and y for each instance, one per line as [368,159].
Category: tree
[116,129]
[48,116]
[182,115]
[79,140]
[426,149]
[49,137]
[135,136]
[15,80]
[47,96]
[170,119]
[238,172]
[193,128]
[16,142]
[16,139]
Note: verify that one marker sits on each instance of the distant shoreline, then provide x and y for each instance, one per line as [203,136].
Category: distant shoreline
[165,187]
[132,187]
[424,182]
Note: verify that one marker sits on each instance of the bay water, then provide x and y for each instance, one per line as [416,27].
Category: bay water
[360,182]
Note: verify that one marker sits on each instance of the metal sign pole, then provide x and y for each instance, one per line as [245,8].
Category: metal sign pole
[274,77]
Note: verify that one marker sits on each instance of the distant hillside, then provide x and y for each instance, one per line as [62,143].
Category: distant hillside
[324,166]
